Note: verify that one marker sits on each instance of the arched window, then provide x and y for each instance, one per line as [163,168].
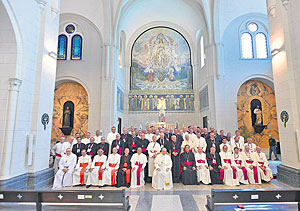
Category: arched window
[62,47]
[76,49]
[202,53]
[261,46]
[254,42]
[247,51]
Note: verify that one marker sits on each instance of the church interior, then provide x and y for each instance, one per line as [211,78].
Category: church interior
[135,92]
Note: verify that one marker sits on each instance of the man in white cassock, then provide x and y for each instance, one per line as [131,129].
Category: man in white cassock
[138,163]
[251,166]
[112,167]
[224,142]
[149,135]
[97,137]
[162,175]
[228,171]
[82,168]
[111,136]
[240,166]
[237,143]
[239,137]
[86,140]
[97,170]
[187,141]
[67,163]
[251,145]
[263,165]
[153,149]
[68,144]
[203,174]
[199,142]
[57,151]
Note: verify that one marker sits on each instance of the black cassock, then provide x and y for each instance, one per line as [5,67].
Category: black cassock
[144,144]
[189,176]
[132,144]
[212,143]
[175,147]
[214,161]
[77,149]
[123,177]
[104,147]
[91,149]
[119,144]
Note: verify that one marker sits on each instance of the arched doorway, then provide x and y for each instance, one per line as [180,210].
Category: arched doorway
[256,112]
[73,98]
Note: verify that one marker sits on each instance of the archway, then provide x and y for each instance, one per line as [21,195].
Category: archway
[254,94]
[74,96]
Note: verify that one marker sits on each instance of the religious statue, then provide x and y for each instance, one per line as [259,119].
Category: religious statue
[67,117]
[161,115]
[258,113]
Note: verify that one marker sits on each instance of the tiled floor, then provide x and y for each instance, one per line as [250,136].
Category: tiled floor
[187,198]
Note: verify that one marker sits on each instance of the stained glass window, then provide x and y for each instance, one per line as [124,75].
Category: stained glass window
[247,48]
[76,49]
[62,47]
[261,46]
[70,29]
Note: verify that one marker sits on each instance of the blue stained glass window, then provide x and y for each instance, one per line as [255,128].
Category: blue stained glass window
[62,47]
[76,47]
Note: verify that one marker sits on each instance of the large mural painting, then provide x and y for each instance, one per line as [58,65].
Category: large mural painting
[161,65]
[256,112]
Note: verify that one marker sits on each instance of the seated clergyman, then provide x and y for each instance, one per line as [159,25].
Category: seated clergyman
[82,168]
[263,165]
[123,176]
[203,174]
[112,166]
[228,171]
[138,164]
[97,171]
[188,165]
[214,164]
[67,163]
[251,166]
[162,175]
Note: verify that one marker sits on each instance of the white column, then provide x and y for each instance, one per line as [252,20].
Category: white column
[15,84]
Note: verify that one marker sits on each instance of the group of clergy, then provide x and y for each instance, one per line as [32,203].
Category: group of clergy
[160,156]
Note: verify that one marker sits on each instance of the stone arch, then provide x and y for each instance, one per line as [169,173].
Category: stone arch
[255,89]
[73,92]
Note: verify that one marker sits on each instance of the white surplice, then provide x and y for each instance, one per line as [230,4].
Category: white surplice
[153,149]
[203,174]
[249,157]
[228,161]
[57,150]
[76,175]
[261,160]
[136,160]
[94,176]
[240,164]
[112,164]
[200,142]
[64,179]
[229,149]
[162,179]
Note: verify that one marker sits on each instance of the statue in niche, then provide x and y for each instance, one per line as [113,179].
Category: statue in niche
[67,117]
[162,114]
[257,111]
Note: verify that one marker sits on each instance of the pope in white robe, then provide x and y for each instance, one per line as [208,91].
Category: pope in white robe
[203,174]
[97,171]
[228,170]
[138,163]
[153,149]
[63,177]
[263,165]
[112,166]
[251,166]
[199,142]
[162,175]
[82,168]
[242,173]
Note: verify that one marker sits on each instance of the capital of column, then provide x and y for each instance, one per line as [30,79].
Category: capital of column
[15,84]
[42,4]
[285,3]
